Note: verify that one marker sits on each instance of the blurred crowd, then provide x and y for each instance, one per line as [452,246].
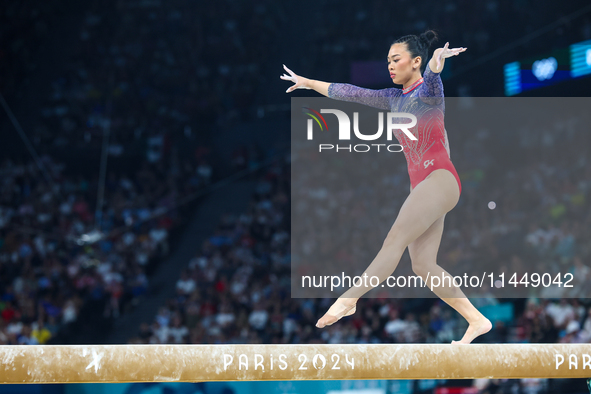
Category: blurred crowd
[23,25]
[58,254]
[61,254]
[155,69]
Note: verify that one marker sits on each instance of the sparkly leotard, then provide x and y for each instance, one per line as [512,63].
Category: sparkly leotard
[424,99]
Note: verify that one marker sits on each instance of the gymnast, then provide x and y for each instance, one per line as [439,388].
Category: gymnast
[435,186]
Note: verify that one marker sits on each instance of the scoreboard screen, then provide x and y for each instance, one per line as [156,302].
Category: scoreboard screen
[580,57]
[548,69]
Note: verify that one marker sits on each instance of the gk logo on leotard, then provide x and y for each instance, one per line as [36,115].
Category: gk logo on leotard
[428,163]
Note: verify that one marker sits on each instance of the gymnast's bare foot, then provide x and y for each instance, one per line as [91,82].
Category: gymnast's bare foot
[341,307]
[474,330]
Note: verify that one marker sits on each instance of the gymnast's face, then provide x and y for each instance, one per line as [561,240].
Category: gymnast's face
[401,65]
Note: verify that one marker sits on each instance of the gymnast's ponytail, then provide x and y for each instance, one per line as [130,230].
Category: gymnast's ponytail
[419,45]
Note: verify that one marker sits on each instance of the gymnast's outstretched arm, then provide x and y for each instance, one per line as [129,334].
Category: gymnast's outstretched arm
[439,55]
[431,92]
[342,91]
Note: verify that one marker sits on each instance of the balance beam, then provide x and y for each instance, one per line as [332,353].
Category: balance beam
[200,363]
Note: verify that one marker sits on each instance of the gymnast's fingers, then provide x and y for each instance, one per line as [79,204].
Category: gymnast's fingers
[289,71]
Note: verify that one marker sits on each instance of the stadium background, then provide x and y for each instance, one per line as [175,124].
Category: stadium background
[146,183]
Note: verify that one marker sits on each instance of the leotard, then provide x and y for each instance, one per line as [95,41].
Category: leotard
[425,100]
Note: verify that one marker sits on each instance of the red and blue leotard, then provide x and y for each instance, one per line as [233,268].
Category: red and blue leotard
[424,99]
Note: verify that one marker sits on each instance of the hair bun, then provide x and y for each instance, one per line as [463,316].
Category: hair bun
[428,38]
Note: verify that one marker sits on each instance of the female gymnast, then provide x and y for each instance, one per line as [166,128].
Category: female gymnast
[434,183]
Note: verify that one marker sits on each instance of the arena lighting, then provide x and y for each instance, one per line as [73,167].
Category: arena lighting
[512,78]
[545,68]
[200,363]
[580,55]
[89,238]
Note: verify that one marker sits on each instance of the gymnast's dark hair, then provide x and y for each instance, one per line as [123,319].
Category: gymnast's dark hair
[419,45]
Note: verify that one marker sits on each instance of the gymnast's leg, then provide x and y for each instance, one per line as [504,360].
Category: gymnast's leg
[423,254]
[429,200]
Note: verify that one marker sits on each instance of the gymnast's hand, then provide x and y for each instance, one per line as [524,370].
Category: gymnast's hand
[299,81]
[445,52]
